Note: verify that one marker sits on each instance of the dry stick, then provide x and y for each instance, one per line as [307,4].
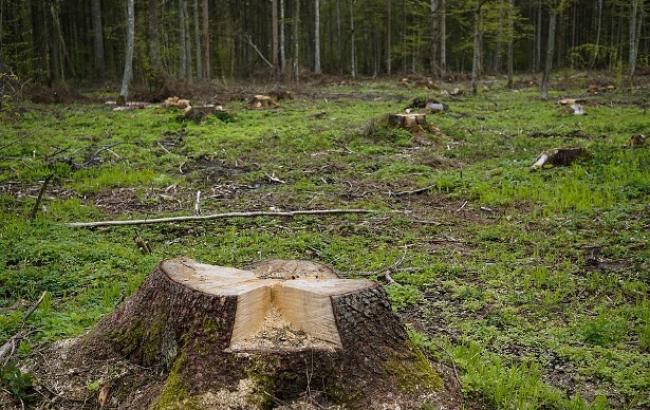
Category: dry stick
[197,203]
[8,347]
[32,214]
[225,216]
[413,192]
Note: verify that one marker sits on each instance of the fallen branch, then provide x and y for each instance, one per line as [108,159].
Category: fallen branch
[413,192]
[225,215]
[10,345]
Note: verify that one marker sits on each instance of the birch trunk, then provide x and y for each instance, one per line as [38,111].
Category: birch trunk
[206,40]
[154,36]
[130,44]
[317,68]
[443,36]
[181,41]
[353,64]
[283,56]
[296,41]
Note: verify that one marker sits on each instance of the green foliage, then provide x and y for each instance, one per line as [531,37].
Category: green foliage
[19,384]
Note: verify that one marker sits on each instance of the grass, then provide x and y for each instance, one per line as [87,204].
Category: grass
[536,290]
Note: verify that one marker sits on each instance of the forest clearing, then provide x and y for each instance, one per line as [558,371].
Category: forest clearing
[325,204]
[528,288]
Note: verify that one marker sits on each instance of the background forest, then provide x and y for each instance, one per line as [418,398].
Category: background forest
[72,41]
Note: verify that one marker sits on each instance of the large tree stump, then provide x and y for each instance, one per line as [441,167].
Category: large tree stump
[274,332]
[260,102]
[407,121]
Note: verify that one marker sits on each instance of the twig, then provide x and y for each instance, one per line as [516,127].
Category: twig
[413,192]
[32,214]
[462,206]
[275,179]
[226,215]
[163,148]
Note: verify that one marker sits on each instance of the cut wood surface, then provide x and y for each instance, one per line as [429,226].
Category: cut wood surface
[259,102]
[225,215]
[410,120]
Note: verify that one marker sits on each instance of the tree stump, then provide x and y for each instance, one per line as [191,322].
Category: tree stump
[259,102]
[407,121]
[273,333]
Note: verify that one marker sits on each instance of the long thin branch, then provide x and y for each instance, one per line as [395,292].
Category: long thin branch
[223,216]
[9,346]
[37,204]
[257,50]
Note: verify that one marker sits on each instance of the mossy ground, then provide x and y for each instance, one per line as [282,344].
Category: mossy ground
[535,285]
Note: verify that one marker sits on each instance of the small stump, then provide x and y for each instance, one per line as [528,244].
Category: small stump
[260,102]
[278,331]
[407,121]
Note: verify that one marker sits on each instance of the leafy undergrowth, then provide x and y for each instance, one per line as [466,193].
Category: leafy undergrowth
[534,286]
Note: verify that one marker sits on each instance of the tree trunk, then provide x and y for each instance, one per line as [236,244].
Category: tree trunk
[206,40]
[317,68]
[130,44]
[599,25]
[538,38]
[511,40]
[443,36]
[476,53]
[292,325]
[339,38]
[353,57]
[296,41]
[283,56]
[550,51]
[182,54]
[434,6]
[634,7]
[197,40]
[98,35]
[388,36]
[188,40]
[154,36]
[274,36]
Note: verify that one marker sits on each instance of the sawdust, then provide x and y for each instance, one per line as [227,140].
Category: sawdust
[276,333]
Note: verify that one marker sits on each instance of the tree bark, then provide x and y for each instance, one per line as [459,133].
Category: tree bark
[550,51]
[197,40]
[443,36]
[182,37]
[434,9]
[100,62]
[511,40]
[339,38]
[317,67]
[476,53]
[206,40]
[538,38]
[296,41]
[130,44]
[188,40]
[353,57]
[388,35]
[274,36]
[634,7]
[154,36]
[283,56]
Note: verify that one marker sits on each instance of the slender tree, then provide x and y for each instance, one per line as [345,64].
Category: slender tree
[197,40]
[388,35]
[98,36]
[634,10]
[274,36]
[296,41]
[317,68]
[435,31]
[283,56]
[511,40]
[550,51]
[154,36]
[443,36]
[476,49]
[353,55]
[206,40]
[130,45]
